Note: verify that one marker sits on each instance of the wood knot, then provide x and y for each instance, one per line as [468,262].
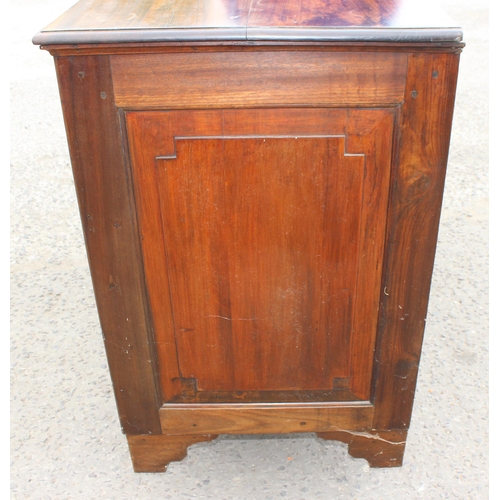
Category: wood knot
[417,183]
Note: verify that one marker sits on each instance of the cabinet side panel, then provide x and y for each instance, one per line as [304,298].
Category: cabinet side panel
[107,213]
[415,205]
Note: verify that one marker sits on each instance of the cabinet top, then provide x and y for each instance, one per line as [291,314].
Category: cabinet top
[145,21]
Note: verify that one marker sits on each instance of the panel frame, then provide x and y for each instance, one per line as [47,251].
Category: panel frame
[152,135]
[97,147]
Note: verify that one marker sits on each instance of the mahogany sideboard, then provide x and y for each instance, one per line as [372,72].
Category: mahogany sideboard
[260,186]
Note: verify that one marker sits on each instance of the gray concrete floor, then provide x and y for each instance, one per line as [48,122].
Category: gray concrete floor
[65,435]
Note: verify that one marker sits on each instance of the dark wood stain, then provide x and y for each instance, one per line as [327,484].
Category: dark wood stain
[91,15]
[413,222]
[321,13]
[195,396]
[104,197]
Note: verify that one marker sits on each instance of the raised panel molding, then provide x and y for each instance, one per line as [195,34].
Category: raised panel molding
[222,335]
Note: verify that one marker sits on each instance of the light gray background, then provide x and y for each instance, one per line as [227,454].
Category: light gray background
[65,435]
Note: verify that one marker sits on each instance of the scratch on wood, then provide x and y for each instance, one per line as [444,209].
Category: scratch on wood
[233,319]
[365,435]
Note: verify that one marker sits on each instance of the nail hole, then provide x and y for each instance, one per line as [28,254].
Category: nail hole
[302,423]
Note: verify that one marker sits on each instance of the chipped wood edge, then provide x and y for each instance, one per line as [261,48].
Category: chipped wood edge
[378,448]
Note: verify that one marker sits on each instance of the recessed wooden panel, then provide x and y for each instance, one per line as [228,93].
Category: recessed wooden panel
[256,248]
[261,239]
[229,79]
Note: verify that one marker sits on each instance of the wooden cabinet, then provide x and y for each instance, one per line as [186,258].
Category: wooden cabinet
[260,190]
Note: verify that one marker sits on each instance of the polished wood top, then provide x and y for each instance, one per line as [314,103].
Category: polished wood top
[114,21]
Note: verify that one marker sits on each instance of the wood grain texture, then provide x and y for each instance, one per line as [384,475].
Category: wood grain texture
[153,453]
[378,448]
[413,221]
[234,79]
[112,240]
[354,20]
[369,132]
[141,14]
[264,419]
[324,13]
[98,21]
[237,243]
[151,14]
[252,252]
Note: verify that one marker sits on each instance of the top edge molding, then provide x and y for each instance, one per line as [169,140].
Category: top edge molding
[366,35]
